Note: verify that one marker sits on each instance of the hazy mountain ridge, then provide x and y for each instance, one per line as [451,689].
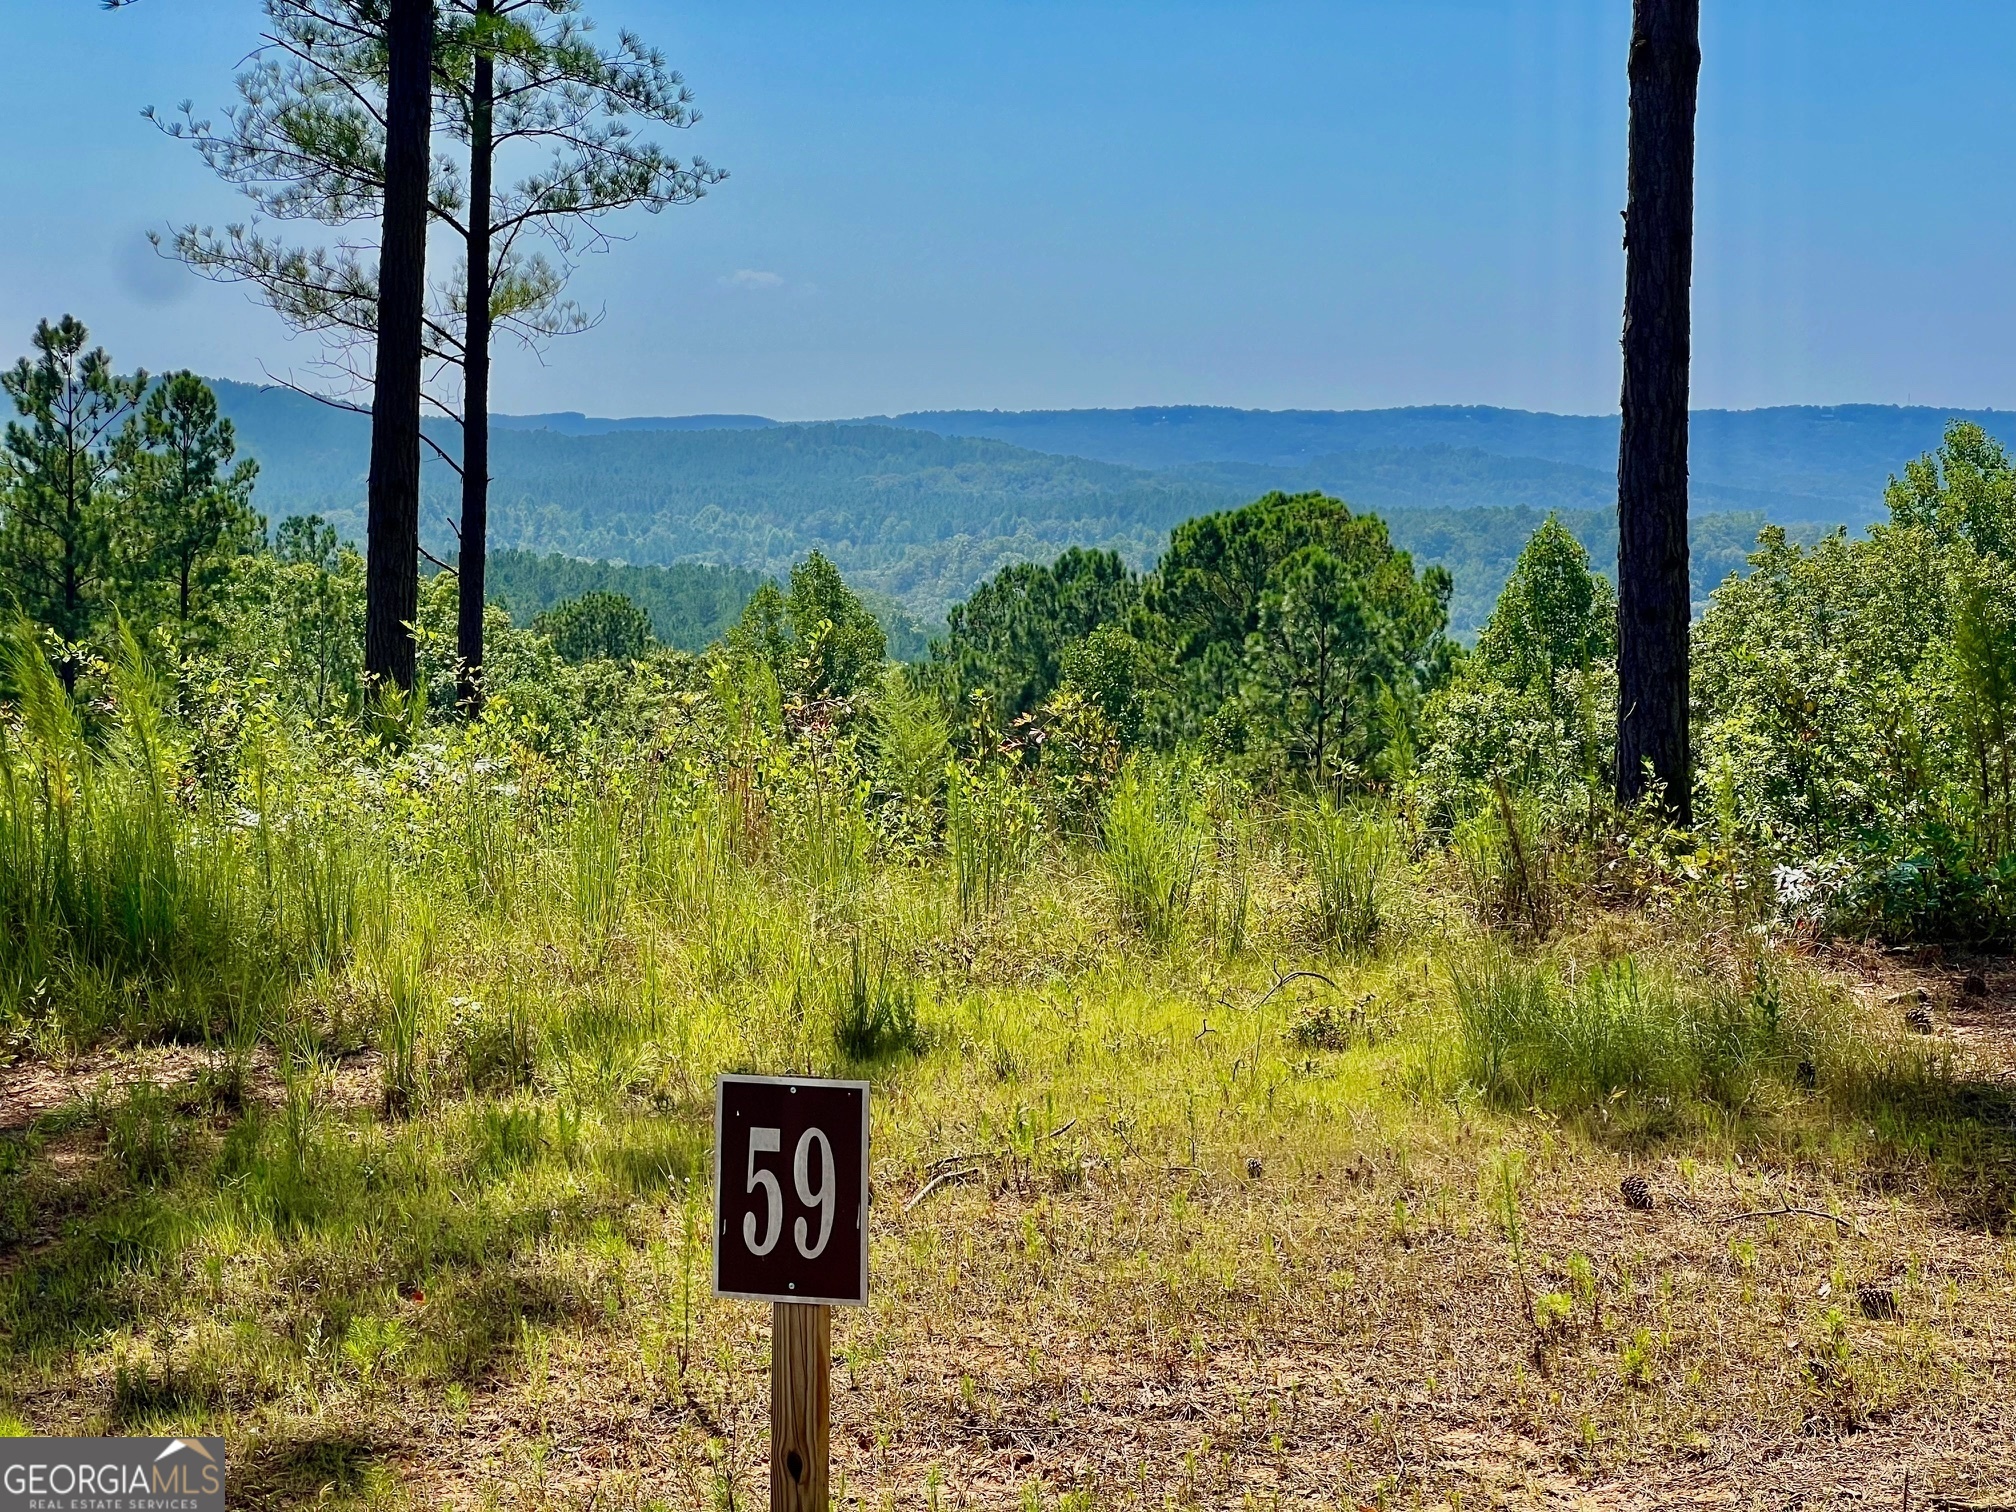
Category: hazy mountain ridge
[923,511]
[1798,462]
[1392,479]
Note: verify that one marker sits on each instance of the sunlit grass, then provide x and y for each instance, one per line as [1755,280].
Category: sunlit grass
[1238,1114]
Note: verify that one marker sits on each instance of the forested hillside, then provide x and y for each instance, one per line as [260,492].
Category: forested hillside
[690,604]
[1796,462]
[919,519]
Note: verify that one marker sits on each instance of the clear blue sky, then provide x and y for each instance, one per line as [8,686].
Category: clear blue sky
[1036,203]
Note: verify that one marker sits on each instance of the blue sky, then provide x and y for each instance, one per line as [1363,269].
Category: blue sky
[1037,203]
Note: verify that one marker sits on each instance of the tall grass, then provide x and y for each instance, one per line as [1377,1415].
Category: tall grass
[1353,856]
[489,845]
[1534,1035]
[405,1001]
[1234,850]
[828,840]
[1152,844]
[599,869]
[991,831]
[115,875]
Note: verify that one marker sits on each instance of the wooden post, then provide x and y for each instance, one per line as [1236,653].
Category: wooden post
[801,1400]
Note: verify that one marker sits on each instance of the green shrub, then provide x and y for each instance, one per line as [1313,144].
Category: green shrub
[911,742]
[1857,698]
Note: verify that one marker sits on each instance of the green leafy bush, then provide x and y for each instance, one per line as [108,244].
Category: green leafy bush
[1857,698]
[597,626]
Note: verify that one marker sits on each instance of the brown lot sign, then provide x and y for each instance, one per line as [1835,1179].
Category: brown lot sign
[791,1189]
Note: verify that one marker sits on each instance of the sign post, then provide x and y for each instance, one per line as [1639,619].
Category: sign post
[791,1229]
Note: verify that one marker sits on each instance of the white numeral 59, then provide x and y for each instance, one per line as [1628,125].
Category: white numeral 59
[824,1197]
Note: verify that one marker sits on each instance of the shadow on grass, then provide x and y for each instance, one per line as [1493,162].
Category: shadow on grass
[1949,1143]
[314,1469]
[446,1265]
[1958,1136]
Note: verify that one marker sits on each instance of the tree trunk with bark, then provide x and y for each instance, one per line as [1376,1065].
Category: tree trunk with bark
[476,387]
[1653,594]
[392,570]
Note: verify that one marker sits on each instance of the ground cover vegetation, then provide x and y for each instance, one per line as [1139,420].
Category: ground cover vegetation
[1296,1081]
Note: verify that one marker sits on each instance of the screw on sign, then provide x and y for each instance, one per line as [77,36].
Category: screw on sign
[791,1229]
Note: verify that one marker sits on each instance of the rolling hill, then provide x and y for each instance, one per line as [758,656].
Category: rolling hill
[1809,462]
[922,507]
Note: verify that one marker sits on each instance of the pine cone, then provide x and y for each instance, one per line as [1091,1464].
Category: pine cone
[1254,1169]
[1637,1192]
[1919,1017]
[1877,1302]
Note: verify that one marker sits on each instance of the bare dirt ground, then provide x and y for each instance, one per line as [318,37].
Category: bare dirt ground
[1971,999]
[1370,1371]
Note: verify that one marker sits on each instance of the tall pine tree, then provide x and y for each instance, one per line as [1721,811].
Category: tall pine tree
[392,531]
[519,76]
[1654,604]
[550,124]
[57,492]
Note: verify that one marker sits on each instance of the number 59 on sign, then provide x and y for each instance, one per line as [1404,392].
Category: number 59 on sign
[791,1189]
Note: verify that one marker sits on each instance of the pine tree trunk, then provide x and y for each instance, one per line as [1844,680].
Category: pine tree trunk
[392,565]
[73,595]
[476,388]
[1653,597]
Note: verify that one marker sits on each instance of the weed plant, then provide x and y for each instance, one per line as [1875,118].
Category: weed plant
[876,1017]
[1509,860]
